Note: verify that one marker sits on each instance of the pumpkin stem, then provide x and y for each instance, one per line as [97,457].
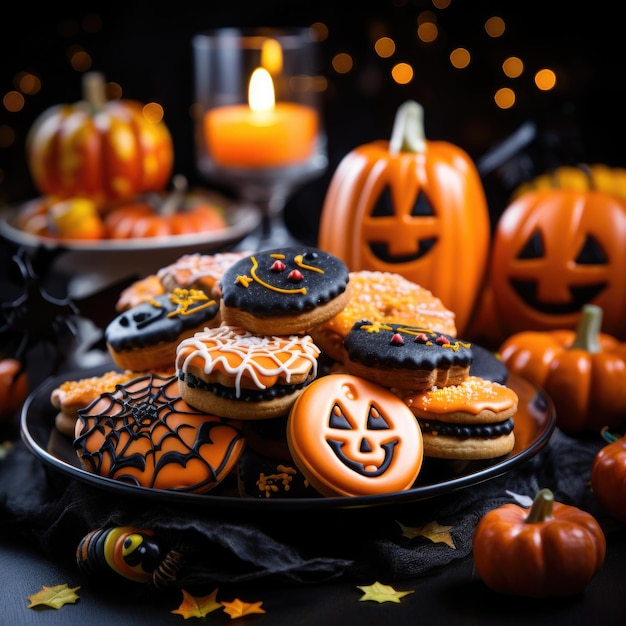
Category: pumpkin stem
[94,92]
[588,330]
[175,198]
[541,509]
[407,134]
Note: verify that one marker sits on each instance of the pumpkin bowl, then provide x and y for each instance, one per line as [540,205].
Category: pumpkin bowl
[90,265]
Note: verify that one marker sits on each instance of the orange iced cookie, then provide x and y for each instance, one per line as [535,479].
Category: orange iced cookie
[472,420]
[352,437]
[232,372]
[145,434]
[383,297]
[73,395]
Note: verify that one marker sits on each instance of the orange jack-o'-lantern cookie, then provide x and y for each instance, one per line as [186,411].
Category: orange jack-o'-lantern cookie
[383,297]
[145,337]
[232,372]
[284,290]
[404,356]
[145,434]
[352,437]
[473,420]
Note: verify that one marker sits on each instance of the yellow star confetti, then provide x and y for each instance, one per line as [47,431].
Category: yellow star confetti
[193,606]
[433,531]
[54,597]
[238,608]
[381,593]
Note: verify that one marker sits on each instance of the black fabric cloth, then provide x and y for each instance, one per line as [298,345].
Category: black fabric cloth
[56,511]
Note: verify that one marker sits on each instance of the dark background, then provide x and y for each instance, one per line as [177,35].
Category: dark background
[146,48]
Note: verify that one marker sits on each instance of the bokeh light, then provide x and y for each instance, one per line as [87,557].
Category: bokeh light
[504,98]
[513,67]
[342,63]
[460,58]
[545,79]
[402,73]
[495,26]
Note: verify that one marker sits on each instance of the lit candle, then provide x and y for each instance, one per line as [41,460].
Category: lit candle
[262,133]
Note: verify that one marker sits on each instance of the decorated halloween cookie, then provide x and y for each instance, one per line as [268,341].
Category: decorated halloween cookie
[472,420]
[352,437]
[232,372]
[383,297]
[145,337]
[146,435]
[283,290]
[408,357]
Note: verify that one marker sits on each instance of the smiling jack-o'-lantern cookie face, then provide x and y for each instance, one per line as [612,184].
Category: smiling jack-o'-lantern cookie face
[351,437]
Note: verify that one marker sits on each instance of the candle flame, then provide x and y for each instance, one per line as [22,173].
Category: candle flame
[272,56]
[261,91]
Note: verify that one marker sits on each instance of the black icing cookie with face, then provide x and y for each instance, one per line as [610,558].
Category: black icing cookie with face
[488,365]
[145,337]
[284,290]
[406,357]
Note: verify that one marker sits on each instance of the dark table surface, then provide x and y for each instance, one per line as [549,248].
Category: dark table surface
[450,595]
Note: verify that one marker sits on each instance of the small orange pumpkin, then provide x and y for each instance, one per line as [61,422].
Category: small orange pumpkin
[104,151]
[555,250]
[178,213]
[583,371]
[549,549]
[608,476]
[13,387]
[413,207]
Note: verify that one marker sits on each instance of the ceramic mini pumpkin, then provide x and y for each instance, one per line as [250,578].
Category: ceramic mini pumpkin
[97,149]
[413,207]
[555,250]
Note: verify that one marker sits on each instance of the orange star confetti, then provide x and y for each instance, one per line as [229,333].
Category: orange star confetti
[381,593]
[54,597]
[193,606]
[432,531]
[238,608]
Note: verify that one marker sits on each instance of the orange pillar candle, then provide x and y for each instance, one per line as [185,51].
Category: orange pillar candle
[262,133]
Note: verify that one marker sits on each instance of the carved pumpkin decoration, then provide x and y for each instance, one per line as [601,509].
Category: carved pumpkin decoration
[549,549]
[555,250]
[352,437]
[104,151]
[580,178]
[413,207]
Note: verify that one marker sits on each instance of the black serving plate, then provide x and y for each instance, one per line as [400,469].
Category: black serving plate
[534,424]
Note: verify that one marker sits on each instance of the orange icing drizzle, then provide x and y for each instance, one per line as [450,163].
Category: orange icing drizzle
[298,259]
[473,395]
[263,360]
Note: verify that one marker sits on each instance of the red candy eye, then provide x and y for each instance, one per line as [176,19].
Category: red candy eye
[442,340]
[278,266]
[421,337]
[396,340]
[295,275]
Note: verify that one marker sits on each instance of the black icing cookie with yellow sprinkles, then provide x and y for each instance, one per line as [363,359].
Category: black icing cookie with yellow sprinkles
[406,357]
[284,290]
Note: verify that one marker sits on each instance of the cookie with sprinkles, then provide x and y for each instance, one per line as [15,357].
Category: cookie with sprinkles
[144,338]
[284,290]
[406,357]
[469,421]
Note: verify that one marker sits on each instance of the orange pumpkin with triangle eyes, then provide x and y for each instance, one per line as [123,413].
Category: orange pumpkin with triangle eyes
[554,251]
[413,207]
